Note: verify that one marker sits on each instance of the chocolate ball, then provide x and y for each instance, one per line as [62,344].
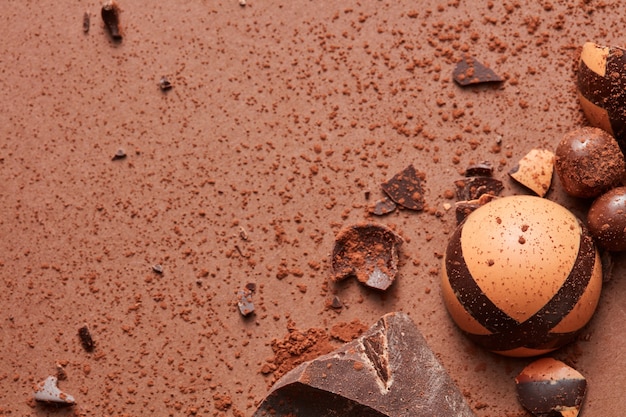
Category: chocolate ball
[607,220]
[589,162]
[521,276]
[602,88]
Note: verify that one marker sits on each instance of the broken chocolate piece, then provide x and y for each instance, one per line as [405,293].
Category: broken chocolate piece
[164,84]
[369,252]
[550,388]
[157,268]
[534,171]
[336,303]
[48,392]
[482,169]
[470,71]
[119,154]
[85,338]
[389,371]
[471,188]
[244,299]
[86,22]
[405,189]
[464,208]
[382,207]
[111,16]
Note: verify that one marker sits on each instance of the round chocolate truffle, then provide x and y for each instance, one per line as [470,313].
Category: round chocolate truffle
[602,88]
[588,162]
[521,276]
[607,220]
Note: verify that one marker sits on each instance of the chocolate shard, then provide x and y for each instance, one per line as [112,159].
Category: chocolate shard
[481,169]
[465,208]
[244,299]
[550,388]
[471,188]
[405,189]
[470,71]
[111,17]
[534,171]
[48,392]
[369,252]
[382,207]
[389,371]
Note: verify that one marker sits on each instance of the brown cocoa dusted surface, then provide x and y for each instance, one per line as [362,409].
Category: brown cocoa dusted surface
[281,118]
[588,162]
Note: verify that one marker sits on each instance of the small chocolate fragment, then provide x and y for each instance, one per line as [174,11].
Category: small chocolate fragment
[369,252]
[534,171]
[465,208]
[471,188]
[389,371]
[157,268]
[164,84]
[482,169]
[382,207]
[119,154]
[589,162]
[336,303]
[405,189]
[111,16]
[48,392]
[86,22]
[550,388]
[470,71]
[606,220]
[85,338]
[602,88]
[244,299]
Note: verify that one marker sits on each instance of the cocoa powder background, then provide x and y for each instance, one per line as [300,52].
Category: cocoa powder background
[282,118]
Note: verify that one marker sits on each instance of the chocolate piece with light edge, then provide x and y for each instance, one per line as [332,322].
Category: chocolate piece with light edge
[588,162]
[48,392]
[111,17]
[602,88]
[405,189]
[550,388]
[534,171]
[369,252]
[521,276]
[389,371]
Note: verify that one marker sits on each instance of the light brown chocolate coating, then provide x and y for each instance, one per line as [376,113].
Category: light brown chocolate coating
[588,162]
[607,220]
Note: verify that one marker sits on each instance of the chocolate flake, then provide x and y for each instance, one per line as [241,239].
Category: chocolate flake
[470,71]
[369,252]
[550,388]
[86,22]
[471,188]
[405,189]
[389,371]
[534,171]
[382,207]
[48,392]
[111,16]
[244,299]
[164,84]
[119,154]
[482,169]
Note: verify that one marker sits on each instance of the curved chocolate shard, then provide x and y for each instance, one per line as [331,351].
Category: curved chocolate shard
[387,372]
[548,387]
[369,252]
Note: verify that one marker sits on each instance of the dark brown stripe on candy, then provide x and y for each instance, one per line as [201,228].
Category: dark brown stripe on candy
[507,333]
[542,397]
[608,92]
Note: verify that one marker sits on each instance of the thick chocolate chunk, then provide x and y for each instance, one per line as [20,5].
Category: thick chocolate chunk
[387,372]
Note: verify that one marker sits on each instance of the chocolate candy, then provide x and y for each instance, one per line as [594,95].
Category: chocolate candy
[369,252]
[387,372]
[521,276]
[588,162]
[550,388]
[607,220]
[602,88]
[534,171]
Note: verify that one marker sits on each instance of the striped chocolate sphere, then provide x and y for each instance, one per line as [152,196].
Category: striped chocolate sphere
[521,276]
